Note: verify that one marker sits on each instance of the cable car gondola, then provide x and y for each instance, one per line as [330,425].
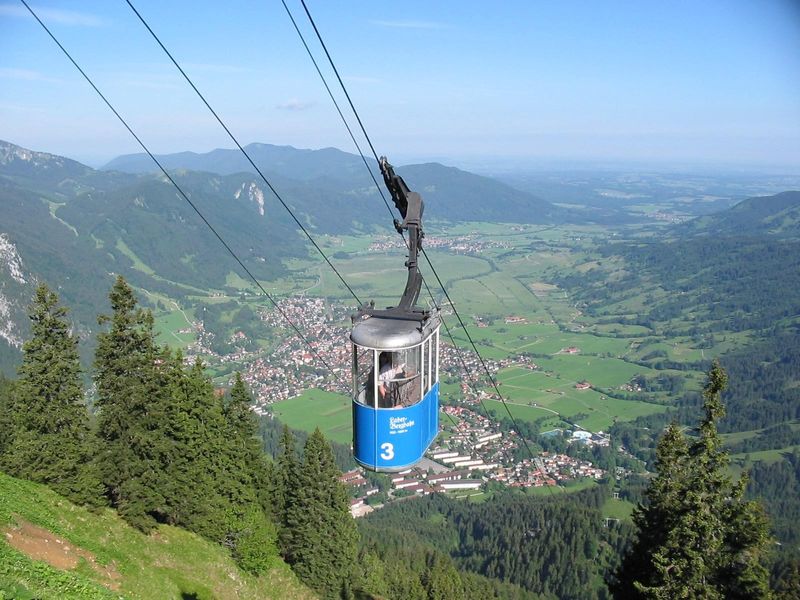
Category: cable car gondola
[396,360]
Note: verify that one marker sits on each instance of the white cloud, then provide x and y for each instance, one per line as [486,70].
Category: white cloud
[294,105]
[54,15]
[411,24]
[214,68]
[25,75]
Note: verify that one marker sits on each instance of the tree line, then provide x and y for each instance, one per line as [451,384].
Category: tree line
[164,447]
[731,283]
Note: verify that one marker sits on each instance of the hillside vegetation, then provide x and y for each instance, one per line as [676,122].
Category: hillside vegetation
[75,227]
[777,215]
[51,548]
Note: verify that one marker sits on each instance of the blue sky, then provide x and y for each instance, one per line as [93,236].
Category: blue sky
[462,82]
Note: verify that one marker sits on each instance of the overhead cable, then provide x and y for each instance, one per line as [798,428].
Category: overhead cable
[425,254]
[183,194]
[243,151]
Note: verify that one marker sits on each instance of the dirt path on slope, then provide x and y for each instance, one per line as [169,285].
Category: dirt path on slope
[40,544]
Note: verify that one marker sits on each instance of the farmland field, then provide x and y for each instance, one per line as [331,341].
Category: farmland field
[169,326]
[316,408]
[505,294]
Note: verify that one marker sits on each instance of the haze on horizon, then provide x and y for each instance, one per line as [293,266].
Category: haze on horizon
[706,83]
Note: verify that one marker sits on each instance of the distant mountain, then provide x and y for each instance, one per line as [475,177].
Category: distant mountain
[777,216]
[339,178]
[290,162]
[17,162]
[75,227]
[457,195]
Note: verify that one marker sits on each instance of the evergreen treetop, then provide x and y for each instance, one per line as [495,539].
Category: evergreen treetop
[50,439]
[697,536]
[323,543]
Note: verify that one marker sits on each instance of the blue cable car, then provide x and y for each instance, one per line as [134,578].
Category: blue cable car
[396,361]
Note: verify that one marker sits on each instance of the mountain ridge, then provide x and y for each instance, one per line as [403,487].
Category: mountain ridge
[76,227]
[776,216]
[330,167]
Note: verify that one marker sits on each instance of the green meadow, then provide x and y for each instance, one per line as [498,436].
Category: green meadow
[510,277]
[317,408]
[168,326]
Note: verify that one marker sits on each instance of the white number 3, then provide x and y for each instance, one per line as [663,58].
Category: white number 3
[388,451]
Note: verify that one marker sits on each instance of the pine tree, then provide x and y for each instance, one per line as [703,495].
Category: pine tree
[131,377]
[697,537]
[237,410]
[370,574]
[283,490]
[324,539]
[189,433]
[244,430]
[50,440]
[441,579]
[6,414]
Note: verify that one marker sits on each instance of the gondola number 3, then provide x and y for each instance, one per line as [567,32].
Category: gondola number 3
[388,451]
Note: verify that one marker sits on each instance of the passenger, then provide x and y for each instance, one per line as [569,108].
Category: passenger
[387,387]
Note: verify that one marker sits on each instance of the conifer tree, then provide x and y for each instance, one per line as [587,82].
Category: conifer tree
[237,409]
[697,536]
[283,492]
[188,433]
[370,574]
[441,579]
[324,539]
[50,440]
[131,378]
[244,429]
[6,414]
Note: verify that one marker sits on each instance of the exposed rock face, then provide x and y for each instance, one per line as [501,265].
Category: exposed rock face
[12,278]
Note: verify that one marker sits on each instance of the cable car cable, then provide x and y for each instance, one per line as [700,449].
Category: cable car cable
[241,148]
[424,253]
[341,83]
[339,110]
[366,165]
[475,348]
[180,191]
[330,93]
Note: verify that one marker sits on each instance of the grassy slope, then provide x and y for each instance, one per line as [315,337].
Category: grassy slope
[170,563]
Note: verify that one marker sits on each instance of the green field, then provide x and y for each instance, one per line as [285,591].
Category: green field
[316,408]
[768,456]
[617,509]
[587,408]
[576,485]
[169,324]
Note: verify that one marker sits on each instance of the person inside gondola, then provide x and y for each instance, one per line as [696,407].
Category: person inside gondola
[387,386]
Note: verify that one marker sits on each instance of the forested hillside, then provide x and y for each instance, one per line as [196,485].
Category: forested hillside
[697,285]
[75,227]
[553,547]
[739,291]
[777,215]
